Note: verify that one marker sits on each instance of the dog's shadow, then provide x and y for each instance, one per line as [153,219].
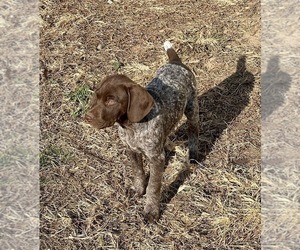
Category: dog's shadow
[218,107]
[274,85]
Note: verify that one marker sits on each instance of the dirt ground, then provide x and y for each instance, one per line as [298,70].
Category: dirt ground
[85,177]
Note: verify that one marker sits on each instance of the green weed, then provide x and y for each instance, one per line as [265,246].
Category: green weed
[54,156]
[80,97]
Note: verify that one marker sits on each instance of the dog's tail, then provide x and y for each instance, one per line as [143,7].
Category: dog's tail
[173,56]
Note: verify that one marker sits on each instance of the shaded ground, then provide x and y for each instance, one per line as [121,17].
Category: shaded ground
[85,176]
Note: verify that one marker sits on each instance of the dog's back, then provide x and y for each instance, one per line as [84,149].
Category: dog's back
[172,88]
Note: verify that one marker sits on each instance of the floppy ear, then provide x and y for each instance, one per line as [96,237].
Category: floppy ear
[140,103]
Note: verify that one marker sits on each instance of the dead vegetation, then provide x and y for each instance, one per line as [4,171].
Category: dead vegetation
[85,176]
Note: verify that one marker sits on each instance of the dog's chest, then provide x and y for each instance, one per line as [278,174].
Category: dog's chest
[141,137]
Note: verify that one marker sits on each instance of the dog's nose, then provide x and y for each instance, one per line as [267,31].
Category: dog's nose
[88,118]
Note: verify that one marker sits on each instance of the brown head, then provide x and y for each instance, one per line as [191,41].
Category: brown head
[118,99]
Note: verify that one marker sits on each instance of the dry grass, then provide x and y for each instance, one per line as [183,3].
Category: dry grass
[85,178]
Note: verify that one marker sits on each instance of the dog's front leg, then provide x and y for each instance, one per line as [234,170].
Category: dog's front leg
[139,181]
[153,194]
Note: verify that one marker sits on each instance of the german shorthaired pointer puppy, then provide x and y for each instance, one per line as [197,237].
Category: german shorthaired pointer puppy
[146,117]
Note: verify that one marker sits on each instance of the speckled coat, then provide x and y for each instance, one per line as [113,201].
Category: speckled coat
[174,92]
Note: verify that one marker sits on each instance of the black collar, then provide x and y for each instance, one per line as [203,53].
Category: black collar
[152,114]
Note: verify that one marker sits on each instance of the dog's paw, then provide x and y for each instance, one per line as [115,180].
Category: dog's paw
[139,190]
[151,213]
[195,157]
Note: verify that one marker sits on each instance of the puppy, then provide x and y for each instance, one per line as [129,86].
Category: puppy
[146,117]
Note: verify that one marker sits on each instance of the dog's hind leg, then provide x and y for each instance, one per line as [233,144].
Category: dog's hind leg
[192,114]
